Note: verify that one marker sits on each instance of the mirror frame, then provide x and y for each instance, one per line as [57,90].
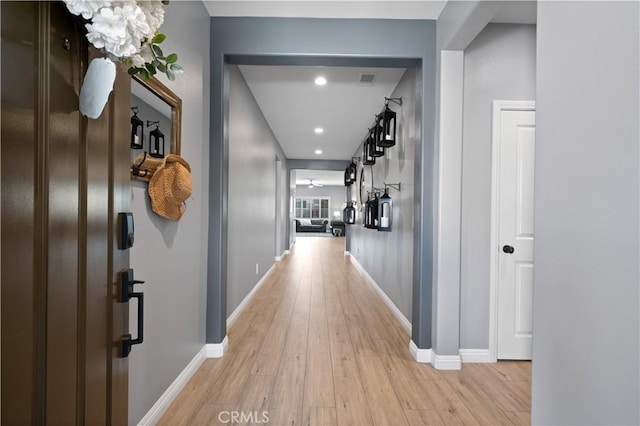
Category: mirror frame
[165,94]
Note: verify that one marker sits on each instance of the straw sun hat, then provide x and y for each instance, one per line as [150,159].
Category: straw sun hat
[170,187]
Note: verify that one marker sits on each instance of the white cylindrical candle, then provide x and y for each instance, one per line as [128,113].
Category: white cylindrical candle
[384,222]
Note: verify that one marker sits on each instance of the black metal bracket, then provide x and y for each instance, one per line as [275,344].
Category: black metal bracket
[396,186]
[126,293]
[137,168]
[397,101]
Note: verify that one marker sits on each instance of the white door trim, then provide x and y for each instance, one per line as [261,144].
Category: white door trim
[498,107]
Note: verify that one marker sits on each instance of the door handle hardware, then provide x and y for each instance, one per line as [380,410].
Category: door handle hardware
[508,249]
[126,293]
[126,237]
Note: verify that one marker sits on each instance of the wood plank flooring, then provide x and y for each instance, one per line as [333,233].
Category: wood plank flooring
[317,346]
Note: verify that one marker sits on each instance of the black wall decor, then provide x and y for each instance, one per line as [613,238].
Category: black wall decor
[350,172]
[382,134]
[388,120]
[353,169]
[349,214]
[375,134]
[137,132]
[347,177]
[385,212]
[156,140]
[367,158]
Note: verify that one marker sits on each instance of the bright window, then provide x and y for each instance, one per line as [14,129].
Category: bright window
[312,208]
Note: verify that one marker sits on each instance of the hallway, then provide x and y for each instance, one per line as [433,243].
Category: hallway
[317,345]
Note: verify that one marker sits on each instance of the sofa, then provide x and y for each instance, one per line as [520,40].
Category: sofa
[311,225]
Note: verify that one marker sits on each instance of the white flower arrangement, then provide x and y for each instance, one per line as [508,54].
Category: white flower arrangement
[128,31]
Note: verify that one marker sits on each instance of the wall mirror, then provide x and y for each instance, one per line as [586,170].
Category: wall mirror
[156,121]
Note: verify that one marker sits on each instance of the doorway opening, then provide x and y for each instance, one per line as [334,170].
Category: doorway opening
[317,192]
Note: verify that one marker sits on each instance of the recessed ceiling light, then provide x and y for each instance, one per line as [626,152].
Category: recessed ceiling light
[320,81]
[318,130]
[318,151]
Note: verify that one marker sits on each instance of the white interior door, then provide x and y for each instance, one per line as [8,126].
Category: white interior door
[515,234]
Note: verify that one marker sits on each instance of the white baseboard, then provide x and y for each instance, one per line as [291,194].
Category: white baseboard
[446,362]
[439,362]
[406,324]
[286,252]
[347,253]
[236,313]
[217,350]
[282,256]
[476,355]
[420,355]
[162,404]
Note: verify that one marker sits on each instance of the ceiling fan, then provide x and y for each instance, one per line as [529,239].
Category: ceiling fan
[314,185]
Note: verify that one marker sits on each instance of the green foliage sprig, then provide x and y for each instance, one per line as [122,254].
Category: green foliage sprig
[165,64]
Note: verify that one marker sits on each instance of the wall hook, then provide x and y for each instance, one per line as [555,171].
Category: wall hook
[394,100]
[137,168]
[396,186]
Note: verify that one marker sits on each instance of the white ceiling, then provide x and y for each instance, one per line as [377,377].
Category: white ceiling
[429,9]
[294,106]
[320,177]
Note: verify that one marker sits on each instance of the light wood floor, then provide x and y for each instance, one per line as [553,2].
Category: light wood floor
[318,346]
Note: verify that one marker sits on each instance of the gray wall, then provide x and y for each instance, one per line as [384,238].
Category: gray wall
[171,257]
[336,193]
[586,292]
[499,64]
[387,256]
[252,191]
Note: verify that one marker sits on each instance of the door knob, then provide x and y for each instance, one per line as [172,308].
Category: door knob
[508,249]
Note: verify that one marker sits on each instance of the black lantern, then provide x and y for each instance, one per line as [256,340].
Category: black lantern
[371,211]
[366,220]
[385,212]
[374,134]
[353,169]
[387,126]
[347,177]
[137,127]
[156,140]
[349,214]
[367,158]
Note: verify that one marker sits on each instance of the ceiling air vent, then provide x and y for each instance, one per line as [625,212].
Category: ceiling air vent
[366,79]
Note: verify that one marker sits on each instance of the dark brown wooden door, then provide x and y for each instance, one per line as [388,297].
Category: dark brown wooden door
[63,180]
